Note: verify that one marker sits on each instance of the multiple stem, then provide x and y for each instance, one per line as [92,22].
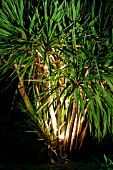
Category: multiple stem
[68,135]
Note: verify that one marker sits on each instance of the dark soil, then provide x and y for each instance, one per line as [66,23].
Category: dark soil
[10,161]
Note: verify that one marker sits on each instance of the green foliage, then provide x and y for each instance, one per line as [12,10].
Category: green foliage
[62,56]
[107,165]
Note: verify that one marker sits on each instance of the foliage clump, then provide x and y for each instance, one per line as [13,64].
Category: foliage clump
[61,54]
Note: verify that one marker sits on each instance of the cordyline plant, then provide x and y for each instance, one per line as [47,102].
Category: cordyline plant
[61,54]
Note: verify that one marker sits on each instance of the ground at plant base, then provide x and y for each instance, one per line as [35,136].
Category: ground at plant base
[12,161]
[10,165]
[8,162]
